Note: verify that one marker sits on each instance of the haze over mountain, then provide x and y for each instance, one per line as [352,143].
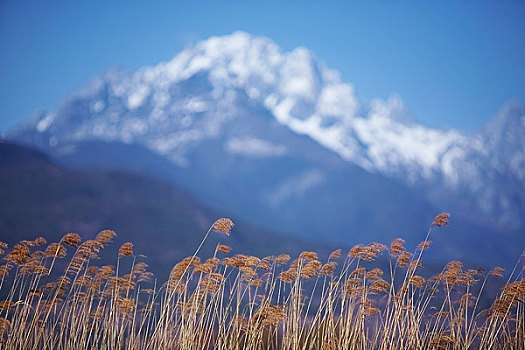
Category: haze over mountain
[280,140]
[41,198]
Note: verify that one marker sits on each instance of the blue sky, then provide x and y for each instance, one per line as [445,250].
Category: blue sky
[453,63]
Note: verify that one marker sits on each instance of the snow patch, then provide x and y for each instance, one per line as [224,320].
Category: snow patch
[195,105]
[171,142]
[138,97]
[45,122]
[337,100]
[297,76]
[254,147]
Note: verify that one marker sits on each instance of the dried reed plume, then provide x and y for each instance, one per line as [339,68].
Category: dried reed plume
[126,249]
[55,299]
[441,220]
[223,225]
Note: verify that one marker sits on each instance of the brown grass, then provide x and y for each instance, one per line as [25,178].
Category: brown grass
[247,302]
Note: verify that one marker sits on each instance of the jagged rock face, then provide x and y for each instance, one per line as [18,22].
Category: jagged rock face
[280,132]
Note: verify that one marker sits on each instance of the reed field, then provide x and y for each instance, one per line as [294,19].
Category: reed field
[58,296]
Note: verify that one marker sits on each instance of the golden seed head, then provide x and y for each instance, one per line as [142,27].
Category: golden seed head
[211,283]
[223,248]
[368,308]
[91,270]
[251,261]
[72,239]
[452,269]
[404,259]
[378,247]
[308,255]
[206,267]
[126,249]
[352,288]
[83,281]
[288,275]
[367,253]
[358,272]
[295,264]
[3,247]
[139,268]
[355,251]
[264,265]
[63,280]
[380,285]
[37,255]
[441,220]
[468,299]
[270,315]
[223,225]
[33,267]
[311,269]
[497,272]
[414,265]
[181,267]
[39,241]
[55,250]
[248,272]
[36,242]
[231,261]
[105,236]
[106,270]
[374,273]
[396,247]
[5,324]
[19,254]
[336,254]
[282,259]
[146,277]
[353,281]
[4,270]
[442,341]
[417,281]
[501,306]
[6,305]
[89,249]
[256,282]
[328,268]
[126,305]
[514,290]
[424,245]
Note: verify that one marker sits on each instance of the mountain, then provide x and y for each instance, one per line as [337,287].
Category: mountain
[40,198]
[280,140]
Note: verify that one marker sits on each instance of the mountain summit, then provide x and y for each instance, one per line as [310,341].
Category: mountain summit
[280,139]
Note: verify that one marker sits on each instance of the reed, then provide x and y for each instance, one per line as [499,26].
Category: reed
[57,297]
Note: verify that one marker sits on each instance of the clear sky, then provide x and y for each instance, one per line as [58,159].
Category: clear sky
[454,63]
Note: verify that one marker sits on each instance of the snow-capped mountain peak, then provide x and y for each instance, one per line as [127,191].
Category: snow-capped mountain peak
[175,105]
[277,137]
[308,98]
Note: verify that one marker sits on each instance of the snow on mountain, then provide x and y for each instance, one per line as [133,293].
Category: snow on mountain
[254,147]
[311,99]
[301,92]
[174,106]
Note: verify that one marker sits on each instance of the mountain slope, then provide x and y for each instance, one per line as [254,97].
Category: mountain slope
[40,198]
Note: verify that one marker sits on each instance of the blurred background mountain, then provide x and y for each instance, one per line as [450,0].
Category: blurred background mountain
[276,141]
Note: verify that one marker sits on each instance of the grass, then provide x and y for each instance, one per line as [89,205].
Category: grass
[58,298]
